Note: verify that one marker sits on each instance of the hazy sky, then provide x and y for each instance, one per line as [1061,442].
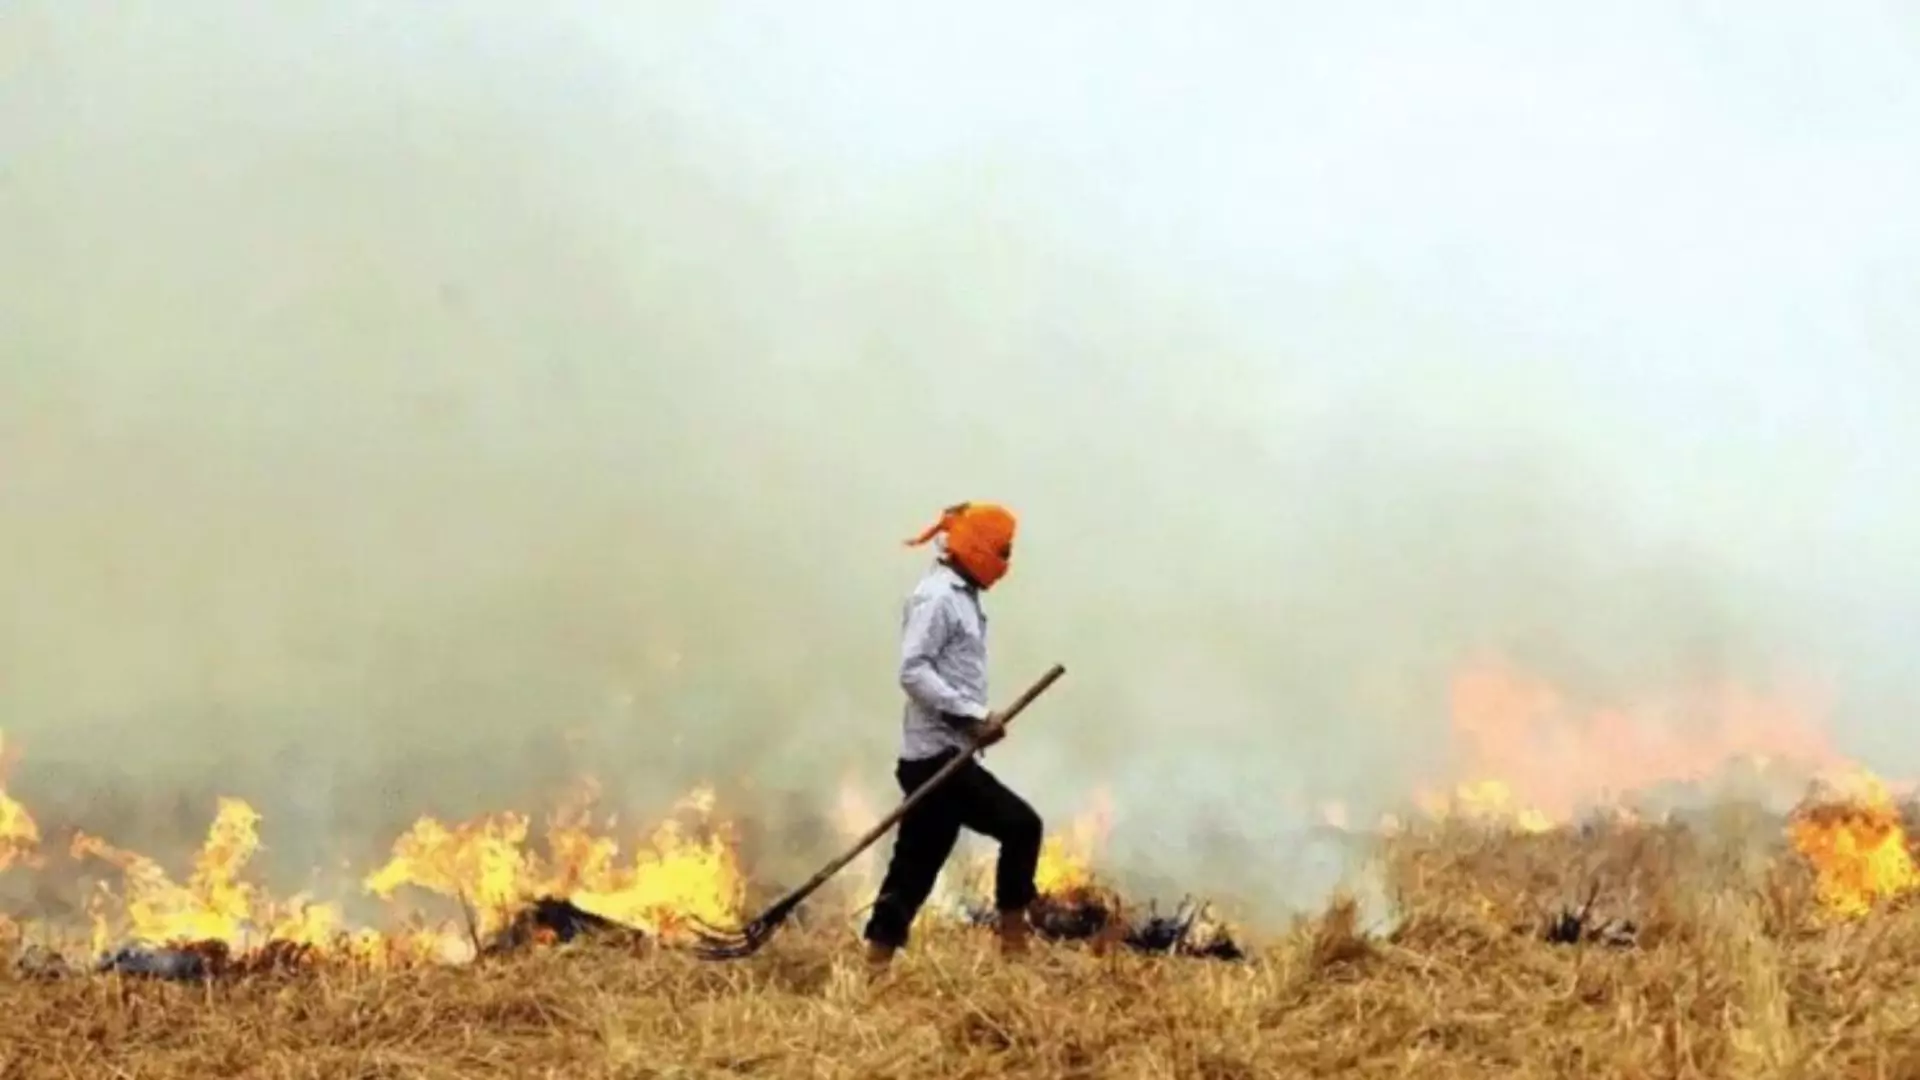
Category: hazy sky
[407,383]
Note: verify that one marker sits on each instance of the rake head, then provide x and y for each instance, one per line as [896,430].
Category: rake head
[714,943]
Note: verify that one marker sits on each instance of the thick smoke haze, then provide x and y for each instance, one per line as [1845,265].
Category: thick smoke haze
[406,407]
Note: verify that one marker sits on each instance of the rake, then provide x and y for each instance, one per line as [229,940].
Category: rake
[717,944]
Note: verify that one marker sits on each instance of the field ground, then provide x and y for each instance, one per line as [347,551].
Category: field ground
[1733,970]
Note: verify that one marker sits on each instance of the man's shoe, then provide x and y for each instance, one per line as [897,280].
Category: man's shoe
[1016,933]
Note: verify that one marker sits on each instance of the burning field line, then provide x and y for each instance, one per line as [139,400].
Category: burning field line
[1849,840]
[514,889]
[1737,968]
[1531,760]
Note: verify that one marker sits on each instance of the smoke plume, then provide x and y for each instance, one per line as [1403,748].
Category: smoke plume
[406,407]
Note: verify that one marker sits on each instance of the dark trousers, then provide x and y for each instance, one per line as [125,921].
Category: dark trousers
[971,798]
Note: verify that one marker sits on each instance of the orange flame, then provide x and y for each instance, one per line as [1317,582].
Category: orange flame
[676,877]
[480,863]
[1489,802]
[19,836]
[1852,837]
[1067,859]
[485,864]
[1534,758]
[214,904]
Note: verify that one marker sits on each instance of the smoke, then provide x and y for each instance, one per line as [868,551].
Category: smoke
[406,408]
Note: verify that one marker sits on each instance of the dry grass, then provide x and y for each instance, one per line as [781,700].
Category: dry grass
[1730,977]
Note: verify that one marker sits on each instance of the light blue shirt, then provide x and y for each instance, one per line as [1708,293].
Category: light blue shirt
[943,663]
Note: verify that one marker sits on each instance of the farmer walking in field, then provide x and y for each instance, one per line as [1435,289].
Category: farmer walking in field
[943,669]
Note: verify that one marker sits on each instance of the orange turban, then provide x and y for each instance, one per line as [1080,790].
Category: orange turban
[979,539]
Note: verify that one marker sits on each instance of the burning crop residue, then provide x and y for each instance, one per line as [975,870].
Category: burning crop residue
[509,892]
[687,870]
[1851,835]
[19,835]
[215,904]
[1067,858]
[553,921]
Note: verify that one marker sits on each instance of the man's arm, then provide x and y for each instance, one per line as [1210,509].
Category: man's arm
[929,622]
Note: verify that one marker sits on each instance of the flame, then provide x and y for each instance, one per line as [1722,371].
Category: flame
[481,863]
[1534,759]
[214,904]
[1066,859]
[686,869]
[676,878]
[19,836]
[1489,802]
[1852,837]
[485,864]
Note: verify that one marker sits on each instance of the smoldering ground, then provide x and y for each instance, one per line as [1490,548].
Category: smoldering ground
[409,409]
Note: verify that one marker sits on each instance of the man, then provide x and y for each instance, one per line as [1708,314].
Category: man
[943,669]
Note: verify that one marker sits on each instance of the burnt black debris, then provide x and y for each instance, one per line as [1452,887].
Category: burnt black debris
[1584,925]
[1182,935]
[1072,917]
[1089,915]
[551,920]
[1579,927]
[203,960]
[173,963]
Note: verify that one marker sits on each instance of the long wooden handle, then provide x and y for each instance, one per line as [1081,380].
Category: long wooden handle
[1019,705]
